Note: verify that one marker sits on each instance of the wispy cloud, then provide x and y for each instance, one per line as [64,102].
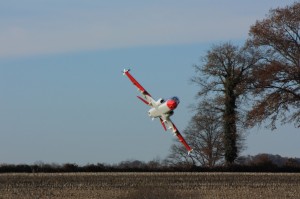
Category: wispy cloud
[43,29]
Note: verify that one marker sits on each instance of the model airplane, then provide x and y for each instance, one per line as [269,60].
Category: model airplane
[161,109]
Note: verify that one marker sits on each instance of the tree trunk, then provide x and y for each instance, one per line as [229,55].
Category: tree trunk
[230,124]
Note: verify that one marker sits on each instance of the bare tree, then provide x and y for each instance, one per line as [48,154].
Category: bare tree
[225,76]
[204,133]
[277,80]
[178,156]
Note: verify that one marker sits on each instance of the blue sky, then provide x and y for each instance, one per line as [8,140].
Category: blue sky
[63,97]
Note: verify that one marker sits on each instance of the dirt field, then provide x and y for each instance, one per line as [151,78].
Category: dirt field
[150,185]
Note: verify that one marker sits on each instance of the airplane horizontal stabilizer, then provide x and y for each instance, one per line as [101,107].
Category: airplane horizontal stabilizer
[143,100]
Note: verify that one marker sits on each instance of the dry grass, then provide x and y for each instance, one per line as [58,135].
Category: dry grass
[150,185]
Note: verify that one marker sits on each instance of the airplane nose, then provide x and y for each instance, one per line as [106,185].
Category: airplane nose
[171,104]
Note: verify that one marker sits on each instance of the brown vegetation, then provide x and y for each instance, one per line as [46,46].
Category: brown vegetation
[277,79]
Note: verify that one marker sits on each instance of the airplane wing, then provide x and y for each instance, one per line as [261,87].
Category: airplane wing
[168,122]
[146,97]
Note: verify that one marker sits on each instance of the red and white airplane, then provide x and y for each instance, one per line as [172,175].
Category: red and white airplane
[161,109]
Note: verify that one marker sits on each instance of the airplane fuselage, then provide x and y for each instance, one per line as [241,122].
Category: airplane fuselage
[164,108]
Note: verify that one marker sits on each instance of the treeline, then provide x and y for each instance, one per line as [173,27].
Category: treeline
[242,86]
[259,163]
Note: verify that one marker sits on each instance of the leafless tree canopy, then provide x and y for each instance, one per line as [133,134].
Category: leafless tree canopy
[225,77]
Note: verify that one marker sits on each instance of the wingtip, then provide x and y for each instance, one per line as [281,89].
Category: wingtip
[190,151]
[125,71]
